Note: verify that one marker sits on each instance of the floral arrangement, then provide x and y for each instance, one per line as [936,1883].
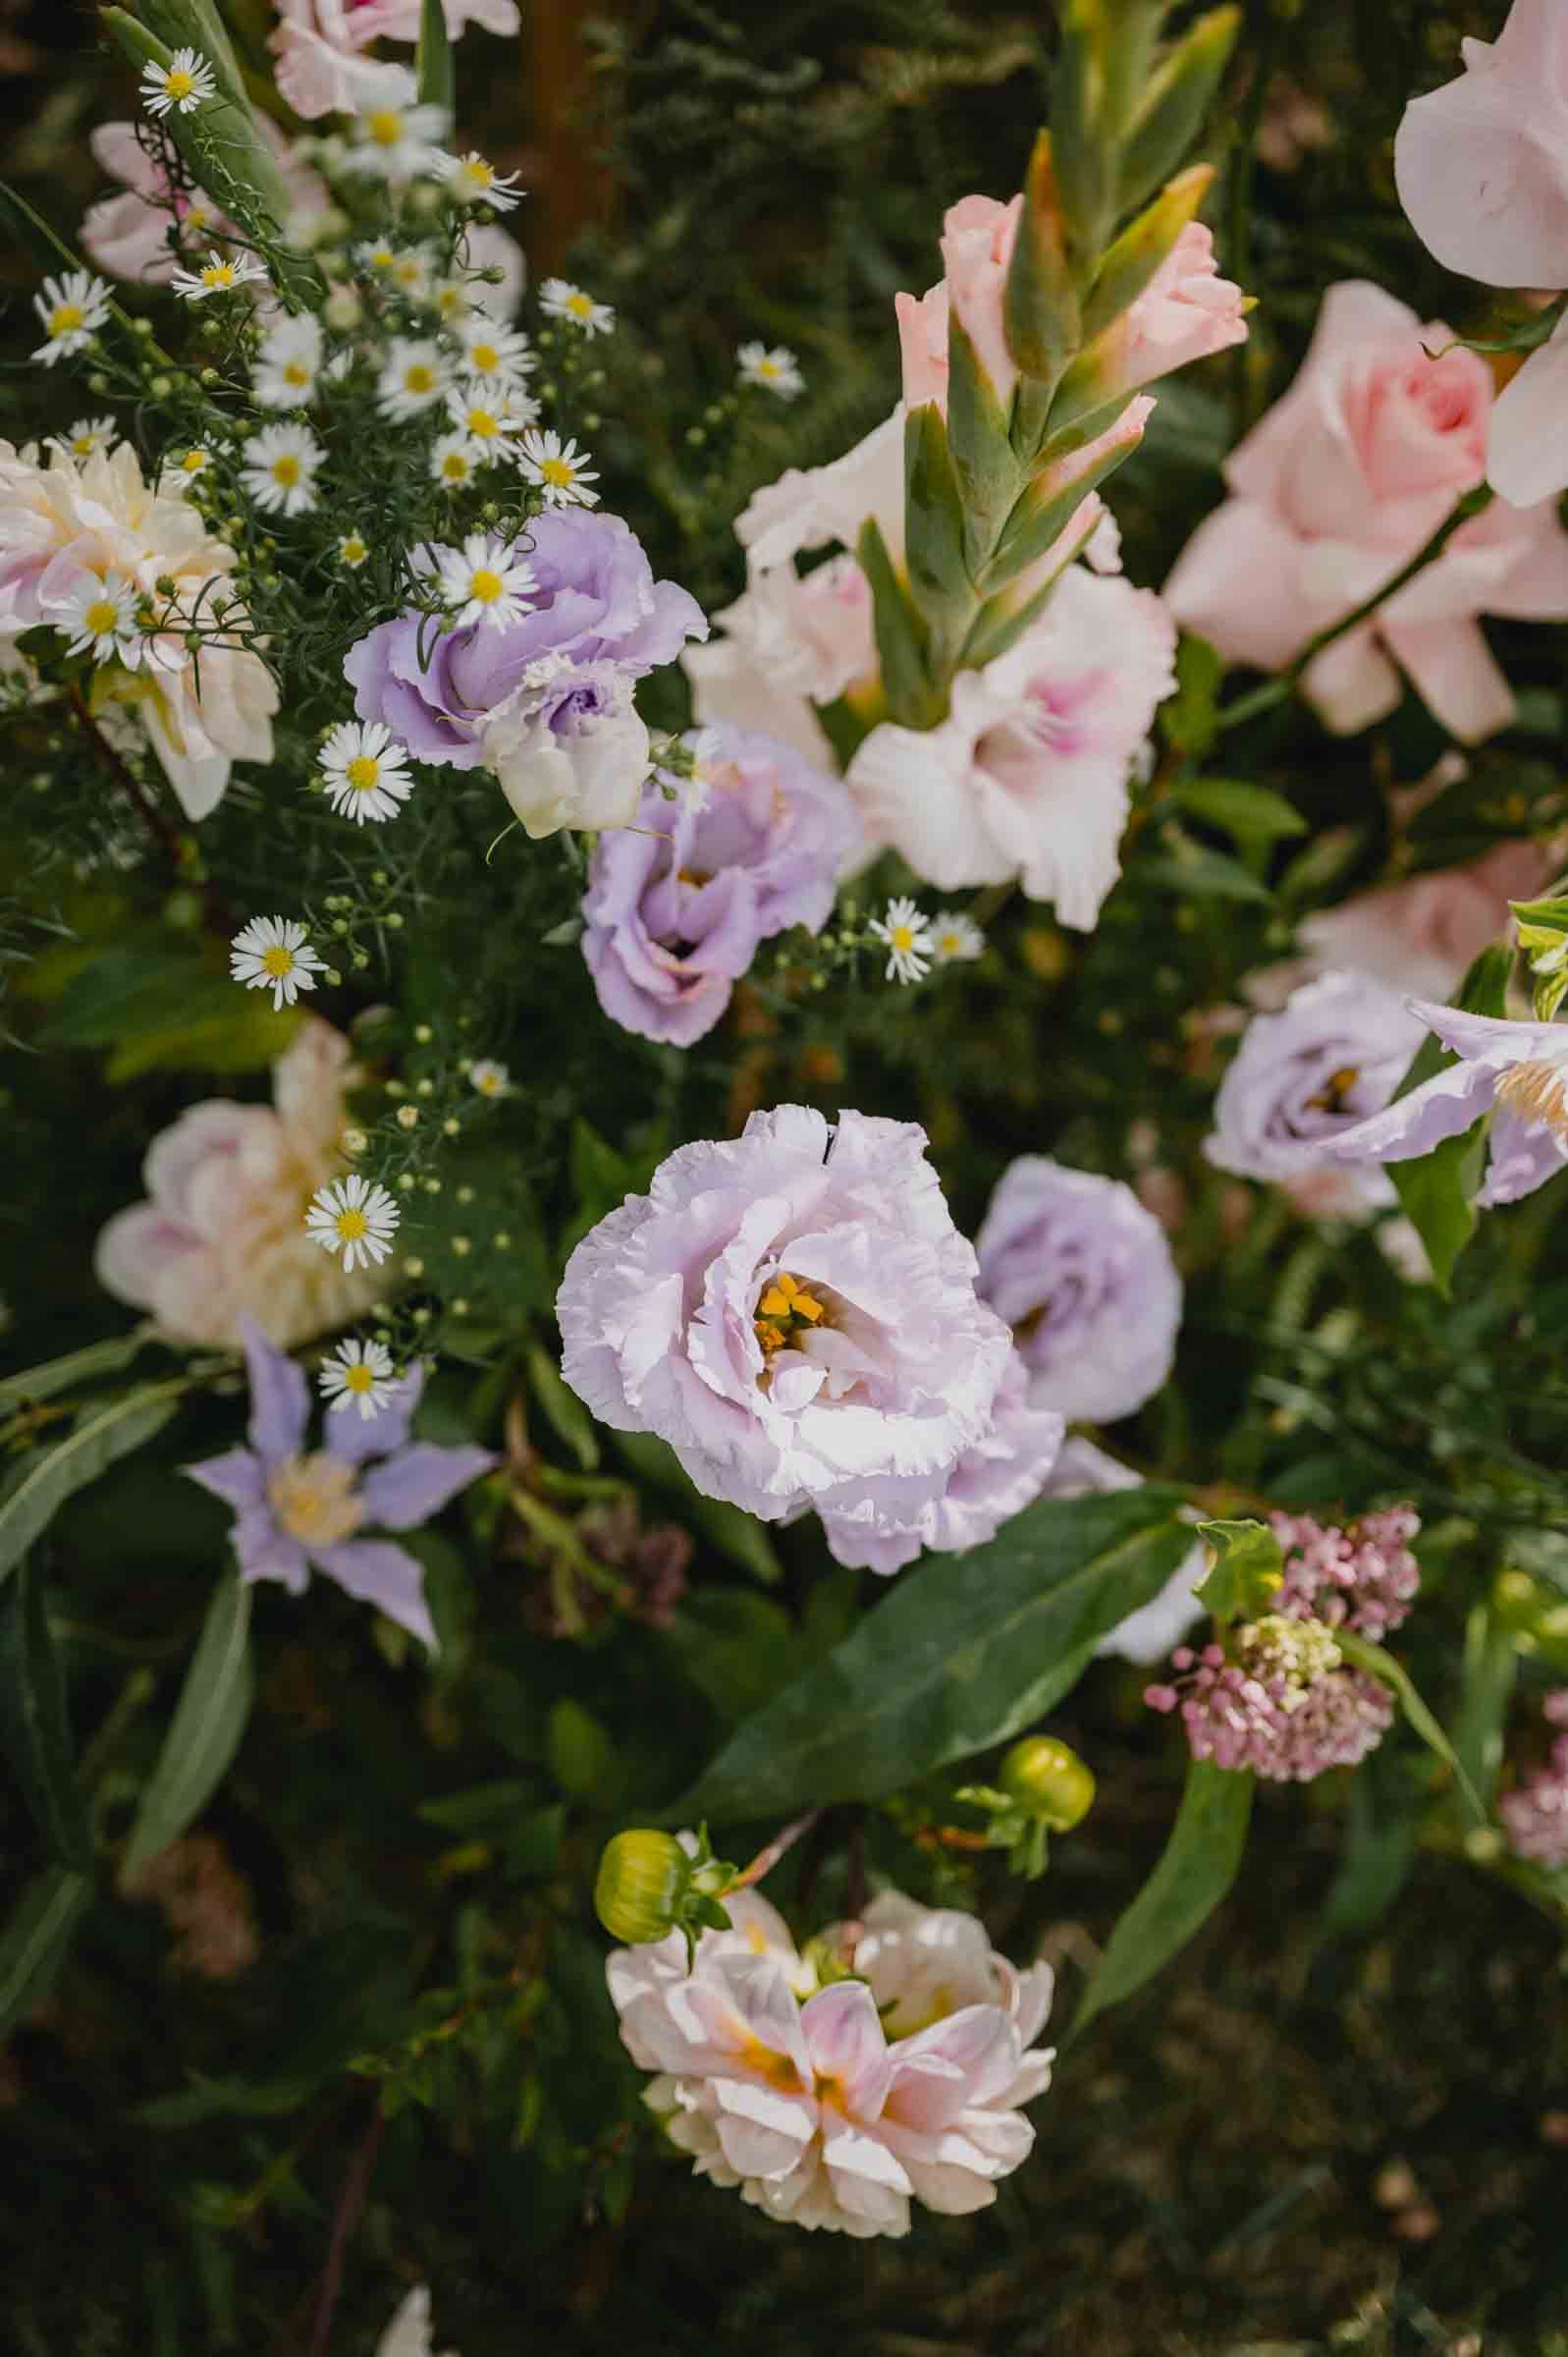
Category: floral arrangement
[755,1122]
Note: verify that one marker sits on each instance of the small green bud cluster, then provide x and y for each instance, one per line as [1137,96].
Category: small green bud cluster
[1041,1787]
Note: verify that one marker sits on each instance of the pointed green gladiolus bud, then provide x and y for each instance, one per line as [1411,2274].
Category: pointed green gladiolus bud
[642,1885]
[903,642]
[1040,313]
[1052,498]
[1005,616]
[934,521]
[1048,1781]
[1083,154]
[1142,247]
[1175,102]
[988,472]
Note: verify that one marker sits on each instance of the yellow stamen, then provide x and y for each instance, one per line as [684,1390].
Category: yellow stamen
[1331,1097]
[358,1378]
[419,378]
[101,617]
[178,84]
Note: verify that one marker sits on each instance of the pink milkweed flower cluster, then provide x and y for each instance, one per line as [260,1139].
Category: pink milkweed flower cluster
[795,1313]
[1332,494]
[1534,1814]
[888,2064]
[1278,1697]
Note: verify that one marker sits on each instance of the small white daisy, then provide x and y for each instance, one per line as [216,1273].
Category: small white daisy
[413,378]
[775,371]
[280,469]
[484,582]
[288,363]
[399,140]
[273,952]
[99,618]
[409,274]
[218,276]
[559,469]
[358,1375]
[906,935]
[366,770]
[472,179]
[185,83]
[354,1217]
[352,551]
[199,217]
[191,463]
[452,463]
[559,298]
[376,255]
[494,352]
[86,438]
[955,937]
[72,308]
[488,1077]
[486,418]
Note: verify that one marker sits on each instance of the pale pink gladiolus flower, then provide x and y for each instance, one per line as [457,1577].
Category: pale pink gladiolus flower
[320,46]
[1186,311]
[977,240]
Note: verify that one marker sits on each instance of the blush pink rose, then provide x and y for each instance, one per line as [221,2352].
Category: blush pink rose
[1332,494]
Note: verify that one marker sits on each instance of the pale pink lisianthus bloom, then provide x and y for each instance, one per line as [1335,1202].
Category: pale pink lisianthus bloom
[836,2106]
[1343,482]
[320,46]
[74,521]
[222,1232]
[1028,775]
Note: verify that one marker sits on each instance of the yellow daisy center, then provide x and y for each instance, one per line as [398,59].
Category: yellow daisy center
[382,257]
[359,1378]
[351,1226]
[362,772]
[193,461]
[177,83]
[218,274]
[295,372]
[277,961]
[902,938]
[66,318]
[580,306]
[385,126]
[485,359]
[559,473]
[354,550]
[420,379]
[486,586]
[455,466]
[101,617]
[483,424]
[285,471]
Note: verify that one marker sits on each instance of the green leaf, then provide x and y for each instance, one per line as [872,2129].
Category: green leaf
[100,1437]
[1039,308]
[563,1412]
[33,1944]
[1491,1671]
[582,1757]
[436,66]
[1386,1804]
[1248,815]
[1377,1662]
[1436,1193]
[1196,1869]
[1175,99]
[1198,873]
[33,1719]
[934,521]
[988,473]
[1188,720]
[204,1733]
[1247,1569]
[902,642]
[961,1654]
[77,1366]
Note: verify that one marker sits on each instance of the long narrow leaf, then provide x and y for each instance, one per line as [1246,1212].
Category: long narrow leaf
[204,1733]
[33,1944]
[1196,1869]
[103,1435]
[1380,1665]
[76,1366]
[33,1721]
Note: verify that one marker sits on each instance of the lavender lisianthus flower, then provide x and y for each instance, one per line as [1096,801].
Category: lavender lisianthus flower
[1084,1276]
[677,905]
[795,1313]
[544,700]
[1006,1470]
[298,1509]
[1308,1075]
[1516,1071]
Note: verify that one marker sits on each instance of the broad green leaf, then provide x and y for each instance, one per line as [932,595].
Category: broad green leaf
[1198,873]
[34,1719]
[1246,1568]
[77,1366]
[437,67]
[1382,1665]
[563,1412]
[1196,1869]
[35,1940]
[1248,813]
[100,1437]
[204,1733]
[963,1653]
[1436,1193]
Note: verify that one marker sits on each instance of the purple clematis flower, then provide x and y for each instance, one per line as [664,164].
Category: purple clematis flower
[1517,1072]
[297,1508]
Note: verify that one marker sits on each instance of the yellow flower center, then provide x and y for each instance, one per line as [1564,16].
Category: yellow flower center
[385,126]
[353,550]
[295,372]
[351,1227]
[455,466]
[485,359]
[311,1498]
[1330,1098]
[902,938]
[1534,1091]
[101,617]
[483,424]
[580,306]
[359,1378]
[193,461]
[362,772]
[559,473]
[66,318]
[420,379]
[382,257]
[486,586]
[783,1309]
[177,83]
[83,446]
[286,470]
[277,961]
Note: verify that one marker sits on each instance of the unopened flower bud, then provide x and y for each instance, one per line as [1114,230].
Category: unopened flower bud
[408,1116]
[1049,1781]
[642,1881]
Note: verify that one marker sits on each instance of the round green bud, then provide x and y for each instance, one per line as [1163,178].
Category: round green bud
[460,1307]
[1049,1781]
[642,1883]
[423,1034]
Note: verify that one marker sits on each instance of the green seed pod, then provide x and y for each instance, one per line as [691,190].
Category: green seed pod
[1049,1781]
[642,1882]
